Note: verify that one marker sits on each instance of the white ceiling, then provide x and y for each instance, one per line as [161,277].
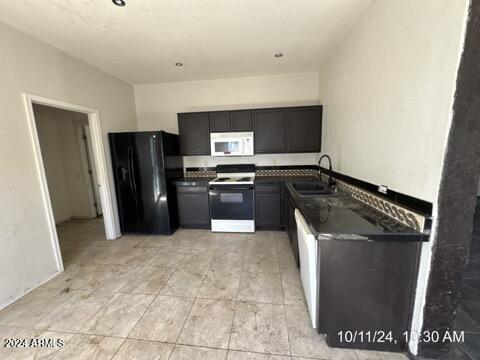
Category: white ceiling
[141,42]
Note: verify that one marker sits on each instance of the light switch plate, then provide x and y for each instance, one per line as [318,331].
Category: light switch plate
[383,189]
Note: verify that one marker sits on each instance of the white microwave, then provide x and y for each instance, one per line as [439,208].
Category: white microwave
[231,143]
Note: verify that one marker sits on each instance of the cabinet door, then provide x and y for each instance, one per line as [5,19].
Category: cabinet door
[242,120]
[270,131]
[268,210]
[193,210]
[291,227]
[220,121]
[194,132]
[283,192]
[304,129]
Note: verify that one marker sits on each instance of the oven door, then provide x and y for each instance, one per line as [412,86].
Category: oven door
[232,202]
[227,147]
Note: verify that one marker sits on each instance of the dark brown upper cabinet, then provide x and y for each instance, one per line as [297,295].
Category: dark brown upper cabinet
[242,120]
[194,131]
[304,129]
[270,130]
[226,121]
[220,121]
[276,130]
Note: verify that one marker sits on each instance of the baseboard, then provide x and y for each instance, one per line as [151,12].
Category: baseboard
[28,291]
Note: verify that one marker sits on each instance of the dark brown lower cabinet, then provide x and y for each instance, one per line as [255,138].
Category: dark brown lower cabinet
[291,225]
[268,207]
[193,207]
[366,286]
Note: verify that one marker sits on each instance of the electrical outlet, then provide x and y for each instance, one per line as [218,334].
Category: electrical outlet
[383,189]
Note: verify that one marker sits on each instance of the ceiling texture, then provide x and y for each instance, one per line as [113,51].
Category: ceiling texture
[141,42]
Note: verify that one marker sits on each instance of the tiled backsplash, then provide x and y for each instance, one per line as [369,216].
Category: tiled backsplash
[200,173]
[210,172]
[287,172]
[395,211]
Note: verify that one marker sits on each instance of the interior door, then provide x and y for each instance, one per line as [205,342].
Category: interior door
[93,169]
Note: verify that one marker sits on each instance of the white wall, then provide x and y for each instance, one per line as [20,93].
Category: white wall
[28,65]
[387,94]
[68,184]
[158,105]
[53,162]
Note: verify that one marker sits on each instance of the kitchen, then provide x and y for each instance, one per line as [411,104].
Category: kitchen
[264,197]
[329,221]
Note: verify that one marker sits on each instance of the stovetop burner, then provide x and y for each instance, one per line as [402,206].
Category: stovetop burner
[233,180]
[234,174]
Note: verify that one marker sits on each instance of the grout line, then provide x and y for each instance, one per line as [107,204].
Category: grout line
[284,308]
[241,351]
[137,268]
[146,310]
[141,317]
[235,301]
[116,351]
[162,342]
[193,304]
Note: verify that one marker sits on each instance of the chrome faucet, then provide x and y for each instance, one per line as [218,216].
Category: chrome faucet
[331,182]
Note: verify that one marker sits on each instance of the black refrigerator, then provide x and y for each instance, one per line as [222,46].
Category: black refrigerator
[145,164]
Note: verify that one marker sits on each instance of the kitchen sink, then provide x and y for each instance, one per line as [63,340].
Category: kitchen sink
[312,188]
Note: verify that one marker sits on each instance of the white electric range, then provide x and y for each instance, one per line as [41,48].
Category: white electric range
[232,199]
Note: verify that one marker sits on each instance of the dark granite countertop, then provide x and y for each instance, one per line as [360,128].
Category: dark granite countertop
[193,181]
[203,181]
[338,216]
[342,217]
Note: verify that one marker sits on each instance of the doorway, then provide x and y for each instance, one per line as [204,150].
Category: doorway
[86,123]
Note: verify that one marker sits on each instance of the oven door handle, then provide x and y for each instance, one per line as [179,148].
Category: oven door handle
[230,188]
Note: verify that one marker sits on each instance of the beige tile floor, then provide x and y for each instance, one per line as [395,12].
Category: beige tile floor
[194,295]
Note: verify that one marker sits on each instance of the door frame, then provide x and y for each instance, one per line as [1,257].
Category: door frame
[107,197]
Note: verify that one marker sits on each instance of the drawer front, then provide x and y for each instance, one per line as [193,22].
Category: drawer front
[192,189]
[268,188]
